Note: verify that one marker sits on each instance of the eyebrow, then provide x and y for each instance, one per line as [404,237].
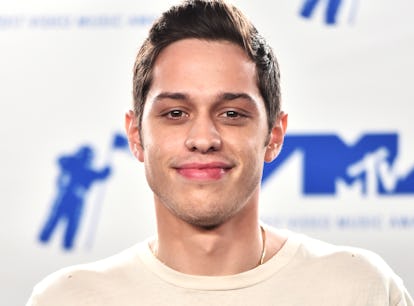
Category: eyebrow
[172,96]
[228,96]
[225,96]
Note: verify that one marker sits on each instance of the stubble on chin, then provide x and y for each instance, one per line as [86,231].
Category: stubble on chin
[211,216]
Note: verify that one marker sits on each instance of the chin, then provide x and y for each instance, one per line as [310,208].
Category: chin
[207,222]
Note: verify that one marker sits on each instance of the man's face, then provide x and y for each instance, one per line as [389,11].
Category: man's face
[204,132]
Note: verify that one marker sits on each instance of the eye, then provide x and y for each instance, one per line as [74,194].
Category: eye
[176,114]
[232,114]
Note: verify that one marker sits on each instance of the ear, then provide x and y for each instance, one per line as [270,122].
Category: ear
[276,137]
[134,139]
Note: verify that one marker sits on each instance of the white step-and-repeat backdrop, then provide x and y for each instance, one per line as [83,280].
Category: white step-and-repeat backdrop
[346,173]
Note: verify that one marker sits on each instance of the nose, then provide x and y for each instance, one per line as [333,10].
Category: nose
[203,136]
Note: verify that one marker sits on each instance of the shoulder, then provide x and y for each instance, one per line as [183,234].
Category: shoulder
[72,284]
[314,251]
[350,267]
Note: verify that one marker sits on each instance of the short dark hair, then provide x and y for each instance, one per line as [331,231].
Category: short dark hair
[208,20]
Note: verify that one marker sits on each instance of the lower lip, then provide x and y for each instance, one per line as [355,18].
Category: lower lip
[203,174]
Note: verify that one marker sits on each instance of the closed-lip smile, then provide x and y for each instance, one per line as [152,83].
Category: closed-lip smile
[204,171]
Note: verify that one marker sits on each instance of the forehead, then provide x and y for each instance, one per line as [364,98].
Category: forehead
[204,66]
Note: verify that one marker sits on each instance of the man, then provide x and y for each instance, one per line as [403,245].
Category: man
[206,116]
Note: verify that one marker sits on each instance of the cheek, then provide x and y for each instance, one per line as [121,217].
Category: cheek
[161,143]
[251,151]
[156,135]
[255,141]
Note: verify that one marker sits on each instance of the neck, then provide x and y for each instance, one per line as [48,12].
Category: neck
[230,248]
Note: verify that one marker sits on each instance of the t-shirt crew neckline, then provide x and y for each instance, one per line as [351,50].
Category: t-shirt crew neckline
[216,283]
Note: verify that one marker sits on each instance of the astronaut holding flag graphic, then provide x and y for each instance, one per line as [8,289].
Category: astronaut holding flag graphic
[75,180]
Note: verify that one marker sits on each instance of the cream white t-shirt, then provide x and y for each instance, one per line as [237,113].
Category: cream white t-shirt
[304,272]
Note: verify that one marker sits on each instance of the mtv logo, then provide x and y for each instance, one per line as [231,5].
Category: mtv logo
[327,158]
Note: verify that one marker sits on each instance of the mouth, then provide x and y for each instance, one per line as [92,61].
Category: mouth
[204,171]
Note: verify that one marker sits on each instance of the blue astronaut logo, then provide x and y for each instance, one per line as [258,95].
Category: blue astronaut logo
[331,9]
[370,162]
[77,176]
